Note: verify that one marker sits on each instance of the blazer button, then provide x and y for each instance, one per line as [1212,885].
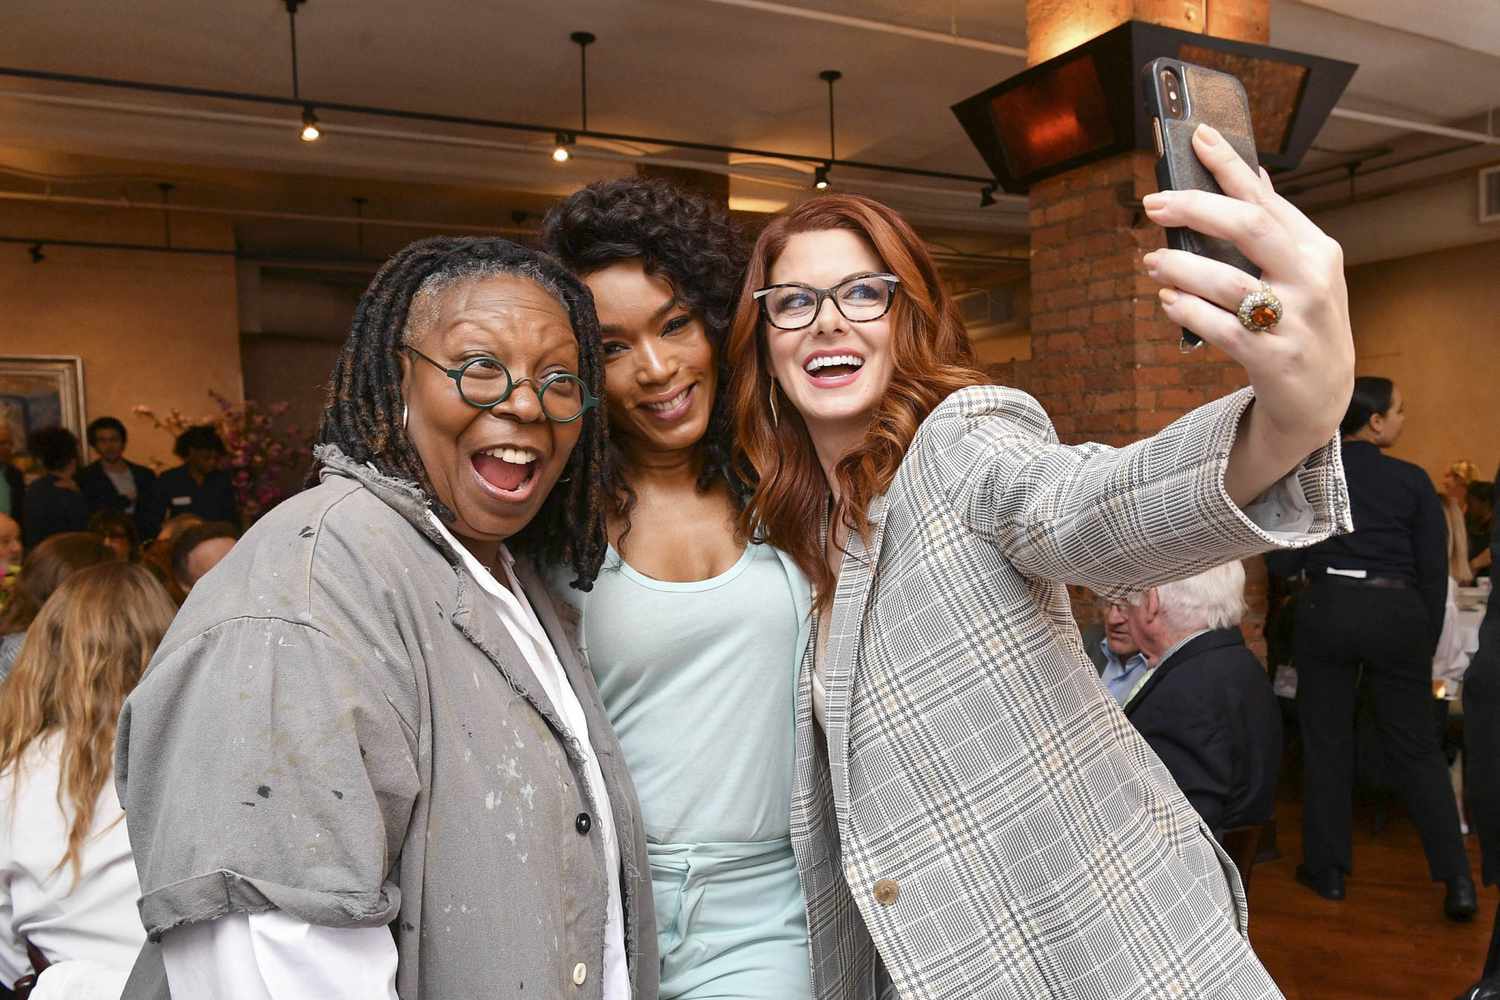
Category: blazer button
[886,891]
[584,823]
[580,973]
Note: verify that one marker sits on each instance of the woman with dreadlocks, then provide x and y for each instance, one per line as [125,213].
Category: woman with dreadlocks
[686,620]
[366,761]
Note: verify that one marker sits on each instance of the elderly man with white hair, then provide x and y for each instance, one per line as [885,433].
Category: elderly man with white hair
[1207,707]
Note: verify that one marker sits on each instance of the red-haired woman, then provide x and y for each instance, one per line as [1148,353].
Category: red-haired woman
[973,816]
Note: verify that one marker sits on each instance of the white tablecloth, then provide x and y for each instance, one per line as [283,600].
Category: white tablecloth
[1466,607]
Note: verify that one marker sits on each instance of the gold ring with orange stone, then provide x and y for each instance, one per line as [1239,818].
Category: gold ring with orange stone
[1260,310]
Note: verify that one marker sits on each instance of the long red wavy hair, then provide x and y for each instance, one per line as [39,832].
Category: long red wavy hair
[932,359]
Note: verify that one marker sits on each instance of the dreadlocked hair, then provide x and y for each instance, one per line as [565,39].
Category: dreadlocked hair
[363,412]
[691,243]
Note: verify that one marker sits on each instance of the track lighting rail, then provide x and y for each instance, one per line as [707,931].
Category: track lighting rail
[375,111]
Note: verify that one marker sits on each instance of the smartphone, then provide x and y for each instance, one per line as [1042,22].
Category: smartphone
[1179,97]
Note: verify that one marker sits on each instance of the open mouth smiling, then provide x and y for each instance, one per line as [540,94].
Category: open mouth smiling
[831,369]
[509,471]
[673,407]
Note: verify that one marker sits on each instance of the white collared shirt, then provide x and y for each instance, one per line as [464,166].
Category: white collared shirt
[270,956]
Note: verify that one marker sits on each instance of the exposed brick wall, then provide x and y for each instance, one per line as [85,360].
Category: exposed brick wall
[1105,361]
[1055,26]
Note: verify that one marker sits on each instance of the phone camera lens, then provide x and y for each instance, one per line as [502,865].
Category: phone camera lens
[1171,86]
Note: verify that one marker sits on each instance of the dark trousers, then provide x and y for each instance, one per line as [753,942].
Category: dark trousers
[1492,961]
[1482,744]
[1346,636]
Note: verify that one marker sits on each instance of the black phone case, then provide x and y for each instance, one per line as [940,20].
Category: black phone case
[1213,98]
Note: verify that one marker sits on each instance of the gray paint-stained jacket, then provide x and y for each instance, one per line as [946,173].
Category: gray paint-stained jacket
[336,727]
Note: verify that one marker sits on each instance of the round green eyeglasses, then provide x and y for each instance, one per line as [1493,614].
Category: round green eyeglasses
[485,383]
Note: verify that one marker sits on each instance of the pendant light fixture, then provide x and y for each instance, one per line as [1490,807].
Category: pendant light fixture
[562,149]
[820,175]
[310,130]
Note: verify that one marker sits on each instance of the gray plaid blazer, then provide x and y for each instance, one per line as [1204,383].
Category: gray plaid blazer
[982,821]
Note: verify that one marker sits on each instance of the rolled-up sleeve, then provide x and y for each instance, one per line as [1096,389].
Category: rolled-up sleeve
[262,767]
[1118,519]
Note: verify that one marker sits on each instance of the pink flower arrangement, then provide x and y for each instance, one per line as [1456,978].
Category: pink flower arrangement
[263,458]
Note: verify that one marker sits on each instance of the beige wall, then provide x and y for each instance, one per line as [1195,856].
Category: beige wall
[152,328]
[290,370]
[1420,219]
[1431,322]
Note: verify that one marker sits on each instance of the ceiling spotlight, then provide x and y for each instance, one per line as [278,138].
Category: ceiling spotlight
[563,150]
[310,130]
[820,176]
[987,196]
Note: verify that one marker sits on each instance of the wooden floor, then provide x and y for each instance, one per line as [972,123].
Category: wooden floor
[1388,940]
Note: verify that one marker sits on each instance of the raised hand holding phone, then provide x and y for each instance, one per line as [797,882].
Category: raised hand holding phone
[1302,367]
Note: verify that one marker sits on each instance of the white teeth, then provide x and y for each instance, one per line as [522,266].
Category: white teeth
[829,361]
[514,456]
[670,404]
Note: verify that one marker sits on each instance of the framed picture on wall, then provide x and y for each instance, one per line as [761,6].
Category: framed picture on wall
[39,391]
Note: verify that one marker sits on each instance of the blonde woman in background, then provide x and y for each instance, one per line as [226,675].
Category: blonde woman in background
[1468,504]
[1455,501]
[1450,661]
[67,879]
[1456,482]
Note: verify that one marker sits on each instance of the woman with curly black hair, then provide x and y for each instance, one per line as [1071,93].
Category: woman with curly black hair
[692,631]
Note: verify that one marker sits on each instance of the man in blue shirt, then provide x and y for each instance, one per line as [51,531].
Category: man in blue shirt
[1125,665]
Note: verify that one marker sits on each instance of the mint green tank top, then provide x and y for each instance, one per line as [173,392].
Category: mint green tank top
[699,680]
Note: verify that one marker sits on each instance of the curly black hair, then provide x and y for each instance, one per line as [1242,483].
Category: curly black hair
[691,243]
[53,447]
[202,436]
[363,412]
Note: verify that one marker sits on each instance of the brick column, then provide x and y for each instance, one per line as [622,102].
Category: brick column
[1104,360]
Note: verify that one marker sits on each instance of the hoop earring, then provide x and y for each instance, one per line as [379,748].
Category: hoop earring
[404,415]
[775,418]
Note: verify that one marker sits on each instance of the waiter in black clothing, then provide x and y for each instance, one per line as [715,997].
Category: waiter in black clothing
[1372,615]
[197,486]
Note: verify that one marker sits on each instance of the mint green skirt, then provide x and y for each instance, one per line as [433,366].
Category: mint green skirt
[731,923]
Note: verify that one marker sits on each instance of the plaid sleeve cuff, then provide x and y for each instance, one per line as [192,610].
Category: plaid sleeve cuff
[1305,506]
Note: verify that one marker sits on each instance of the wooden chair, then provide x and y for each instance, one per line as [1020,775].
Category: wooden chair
[1242,844]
